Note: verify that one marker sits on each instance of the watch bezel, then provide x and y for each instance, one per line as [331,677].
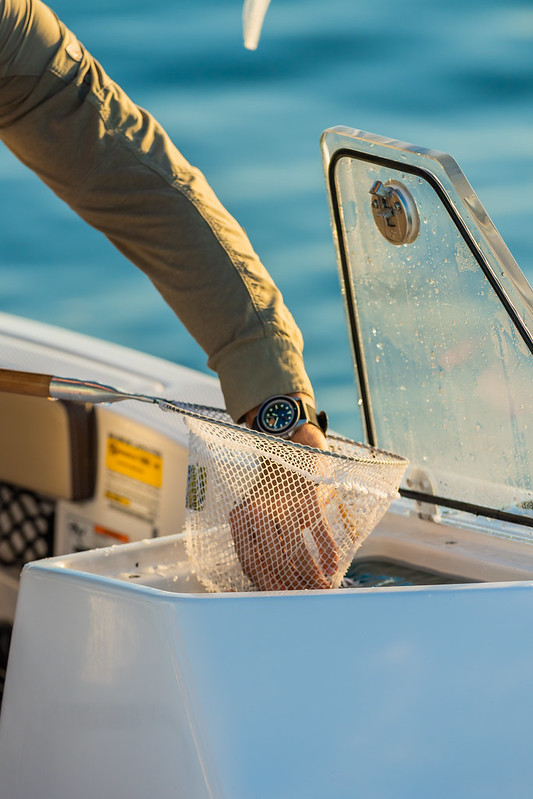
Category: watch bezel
[289,427]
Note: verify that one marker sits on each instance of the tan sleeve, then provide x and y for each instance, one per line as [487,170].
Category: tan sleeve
[116,167]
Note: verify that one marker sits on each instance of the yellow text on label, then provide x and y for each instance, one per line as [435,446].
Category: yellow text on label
[135,462]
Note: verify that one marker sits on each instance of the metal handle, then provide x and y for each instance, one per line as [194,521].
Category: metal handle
[50,387]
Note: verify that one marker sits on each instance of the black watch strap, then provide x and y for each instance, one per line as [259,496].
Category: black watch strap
[320,419]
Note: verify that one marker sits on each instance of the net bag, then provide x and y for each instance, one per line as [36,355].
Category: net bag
[266,514]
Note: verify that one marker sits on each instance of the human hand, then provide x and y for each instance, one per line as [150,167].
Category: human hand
[280,531]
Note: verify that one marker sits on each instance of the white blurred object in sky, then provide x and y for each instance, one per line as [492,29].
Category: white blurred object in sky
[253,15]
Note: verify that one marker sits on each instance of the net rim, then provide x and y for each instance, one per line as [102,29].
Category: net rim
[384,457]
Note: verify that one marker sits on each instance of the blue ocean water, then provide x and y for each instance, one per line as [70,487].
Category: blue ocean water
[452,76]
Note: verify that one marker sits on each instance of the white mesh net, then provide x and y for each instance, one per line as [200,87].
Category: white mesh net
[266,514]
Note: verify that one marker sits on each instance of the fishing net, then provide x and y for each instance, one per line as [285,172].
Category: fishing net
[266,514]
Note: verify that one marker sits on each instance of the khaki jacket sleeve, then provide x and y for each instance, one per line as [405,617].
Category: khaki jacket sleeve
[116,167]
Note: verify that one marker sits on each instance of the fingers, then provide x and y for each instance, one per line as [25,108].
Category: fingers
[282,537]
[274,557]
[300,571]
[315,520]
[302,500]
[288,556]
[253,564]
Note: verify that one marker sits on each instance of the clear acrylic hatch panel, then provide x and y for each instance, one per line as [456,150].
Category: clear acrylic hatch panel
[450,379]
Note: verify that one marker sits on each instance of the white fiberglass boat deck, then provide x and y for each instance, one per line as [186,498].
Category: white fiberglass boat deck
[127,679]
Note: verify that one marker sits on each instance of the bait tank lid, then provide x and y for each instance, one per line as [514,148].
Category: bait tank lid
[441,322]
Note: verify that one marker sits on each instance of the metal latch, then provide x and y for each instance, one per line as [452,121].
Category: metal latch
[422,482]
[395,212]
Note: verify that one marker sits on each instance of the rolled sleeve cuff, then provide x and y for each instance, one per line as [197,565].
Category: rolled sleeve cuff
[252,371]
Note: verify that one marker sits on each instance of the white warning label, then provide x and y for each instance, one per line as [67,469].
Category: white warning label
[134,475]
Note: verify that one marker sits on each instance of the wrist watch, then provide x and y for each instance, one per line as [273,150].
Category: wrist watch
[283,415]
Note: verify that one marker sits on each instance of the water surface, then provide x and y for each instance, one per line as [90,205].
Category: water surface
[454,76]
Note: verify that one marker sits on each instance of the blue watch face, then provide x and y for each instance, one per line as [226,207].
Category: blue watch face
[279,415]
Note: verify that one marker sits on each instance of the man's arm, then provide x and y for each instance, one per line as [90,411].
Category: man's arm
[116,167]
